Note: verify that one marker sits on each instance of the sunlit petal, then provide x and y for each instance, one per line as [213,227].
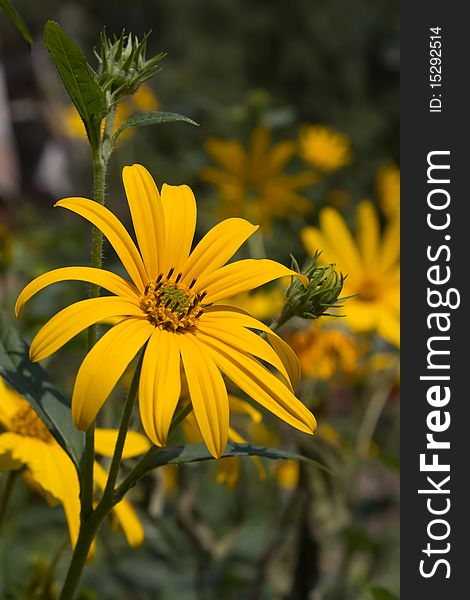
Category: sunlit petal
[241,276]
[217,247]
[116,233]
[208,394]
[179,206]
[103,366]
[368,235]
[105,279]
[160,385]
[147,216]
[70,321]
[260,384]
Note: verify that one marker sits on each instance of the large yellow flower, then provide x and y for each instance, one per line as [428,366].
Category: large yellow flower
[168,306]
[25,442]
[252,181]
[371,263]
[324,148]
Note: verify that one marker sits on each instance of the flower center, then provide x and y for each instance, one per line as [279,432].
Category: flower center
[369,291]
[26,422]
[171,304]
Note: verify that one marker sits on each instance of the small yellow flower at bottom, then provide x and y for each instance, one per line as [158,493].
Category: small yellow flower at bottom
[26,443]
[168,308]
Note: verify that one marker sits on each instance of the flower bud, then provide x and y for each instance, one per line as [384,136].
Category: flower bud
[123,66]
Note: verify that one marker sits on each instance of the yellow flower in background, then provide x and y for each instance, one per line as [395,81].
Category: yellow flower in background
[324,351]
[26,443]
[388,189]
[371,263]
[143,100]
[252,181]
[324,148]
[167,308]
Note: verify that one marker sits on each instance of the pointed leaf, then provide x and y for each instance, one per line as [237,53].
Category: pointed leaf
[32,382]
[17,20]
[152,118]
[77,77]
[189,453]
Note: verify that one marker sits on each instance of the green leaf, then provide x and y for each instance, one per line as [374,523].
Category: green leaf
[152,118]
[32,382]
[17,20]
[77,77]
[380,593]
[189,453]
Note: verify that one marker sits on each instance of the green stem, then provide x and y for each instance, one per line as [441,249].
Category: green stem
[6,493]
[123,428]
[86,536]
[100,160]
[91,522]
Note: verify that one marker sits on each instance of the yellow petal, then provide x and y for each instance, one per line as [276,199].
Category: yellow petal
[228,153]
[52,470]
[241,276]
[368,235]
[11,455]
[260,384]
[10,402]
[105,442]
[282,349]
[242,407]
[340,239]
[160,385]
[391,244]
[124,512]
[105,279]
[388,326]
[208,394]
[116,233]
[217,247]
[103,366]
[179,206]
[241,339]
[314,240]
[288,357]
[147,216]
[70,321]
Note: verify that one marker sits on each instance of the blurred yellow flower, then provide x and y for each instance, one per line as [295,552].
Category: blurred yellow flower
[324,148]
[371,264]
[26,443]
[324,351]
[143,100]
[388,189]
[252,181]
[287,474]
[168,310]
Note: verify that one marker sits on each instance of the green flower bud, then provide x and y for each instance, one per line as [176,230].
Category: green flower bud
[123,66]
[322,292]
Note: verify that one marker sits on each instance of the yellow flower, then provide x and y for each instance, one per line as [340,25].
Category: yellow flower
[168,307]
[371,263]
[26,443]
[252,180]
[288,473]
[142,101]
[388,189]
[324,148]
[324,351]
